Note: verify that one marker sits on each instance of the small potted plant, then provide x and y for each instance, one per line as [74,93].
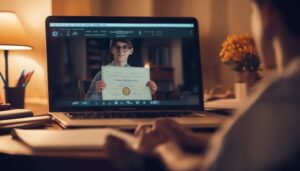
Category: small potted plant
[239,52]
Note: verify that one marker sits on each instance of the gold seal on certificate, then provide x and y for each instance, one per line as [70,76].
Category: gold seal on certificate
[126,91]
[126,83]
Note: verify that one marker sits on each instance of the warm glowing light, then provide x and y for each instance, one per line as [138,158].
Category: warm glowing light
[11,30]
[37,83]
[15,47]
[12,37]
[147,65]
[20,62]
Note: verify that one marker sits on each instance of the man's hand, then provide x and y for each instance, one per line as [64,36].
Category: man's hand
[167,130]
[165,138]
[100,85]
[126,159]
[152,85]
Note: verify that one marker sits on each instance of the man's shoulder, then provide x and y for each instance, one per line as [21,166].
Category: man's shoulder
[278,94]
[288,82]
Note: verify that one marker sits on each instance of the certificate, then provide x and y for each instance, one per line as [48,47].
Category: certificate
[125,83]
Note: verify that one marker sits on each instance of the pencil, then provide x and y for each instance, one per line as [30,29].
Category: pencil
[4,82]
[21,78]
[28,79]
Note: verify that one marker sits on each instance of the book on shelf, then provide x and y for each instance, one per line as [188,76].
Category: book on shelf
[95,66]
[159,56]
[95,58]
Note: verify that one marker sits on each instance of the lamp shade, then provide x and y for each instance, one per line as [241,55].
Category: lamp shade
[12,37]
[12,33]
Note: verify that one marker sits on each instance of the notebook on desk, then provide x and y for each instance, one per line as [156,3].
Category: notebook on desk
[83,51]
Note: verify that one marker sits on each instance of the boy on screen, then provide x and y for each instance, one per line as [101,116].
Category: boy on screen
[121,49]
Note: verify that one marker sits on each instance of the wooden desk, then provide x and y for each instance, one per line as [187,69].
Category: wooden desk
[38,109]
[15,155]
[13,151]
[8,145]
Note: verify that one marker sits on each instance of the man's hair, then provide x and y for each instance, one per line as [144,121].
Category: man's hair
[113,42]
[289,11]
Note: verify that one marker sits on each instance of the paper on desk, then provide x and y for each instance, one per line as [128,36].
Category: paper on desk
[232,104]
[77,139]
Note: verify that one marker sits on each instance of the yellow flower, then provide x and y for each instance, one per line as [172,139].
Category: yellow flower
[237,46]
[236,50]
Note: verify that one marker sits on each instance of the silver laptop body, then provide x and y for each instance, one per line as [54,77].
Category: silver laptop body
[168,48]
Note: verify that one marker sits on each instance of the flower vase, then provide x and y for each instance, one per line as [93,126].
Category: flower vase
[246,81]
[249,77]
[240,90]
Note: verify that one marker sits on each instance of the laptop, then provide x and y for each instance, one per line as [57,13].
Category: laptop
[83,51]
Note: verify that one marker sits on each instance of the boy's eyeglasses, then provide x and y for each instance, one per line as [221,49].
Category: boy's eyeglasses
[124,48]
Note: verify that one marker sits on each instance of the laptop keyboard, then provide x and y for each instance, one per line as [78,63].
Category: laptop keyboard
[135,114]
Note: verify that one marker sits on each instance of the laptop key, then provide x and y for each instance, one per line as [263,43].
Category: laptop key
[142,114]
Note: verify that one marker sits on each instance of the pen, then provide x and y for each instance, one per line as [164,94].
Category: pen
[21,78]
[28,77]
[4,82]
[25,78]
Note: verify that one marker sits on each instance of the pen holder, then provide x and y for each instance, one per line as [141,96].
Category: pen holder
[15,96]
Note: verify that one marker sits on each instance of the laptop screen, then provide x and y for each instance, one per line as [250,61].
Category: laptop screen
[107,63]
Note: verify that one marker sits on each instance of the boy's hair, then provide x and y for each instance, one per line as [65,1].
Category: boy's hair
[113,42]
[290,12]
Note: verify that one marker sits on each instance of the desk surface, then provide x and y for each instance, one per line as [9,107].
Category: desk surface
[38,109]
[22,155]
[14,148]
[10,146]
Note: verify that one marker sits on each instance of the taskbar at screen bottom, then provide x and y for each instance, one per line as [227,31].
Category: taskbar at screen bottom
[116,103]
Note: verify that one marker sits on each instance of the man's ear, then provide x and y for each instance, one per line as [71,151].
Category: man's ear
[271,28]
[270,16]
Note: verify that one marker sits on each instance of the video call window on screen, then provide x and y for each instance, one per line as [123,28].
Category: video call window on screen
[85,56]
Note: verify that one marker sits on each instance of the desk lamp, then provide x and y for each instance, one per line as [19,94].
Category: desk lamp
[12,37]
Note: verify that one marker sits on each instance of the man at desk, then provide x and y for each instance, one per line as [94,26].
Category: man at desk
[121,49]
[265,135]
